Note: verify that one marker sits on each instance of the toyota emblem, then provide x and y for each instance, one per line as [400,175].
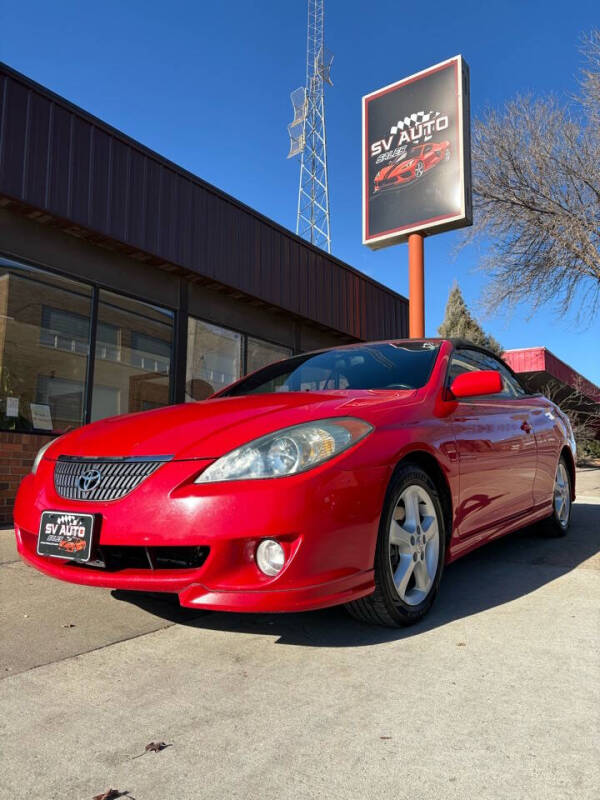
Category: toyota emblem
[89,480]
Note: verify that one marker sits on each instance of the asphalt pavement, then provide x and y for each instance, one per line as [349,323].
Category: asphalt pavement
[495,695]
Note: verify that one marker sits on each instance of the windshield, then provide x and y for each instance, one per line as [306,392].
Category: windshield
[405,365]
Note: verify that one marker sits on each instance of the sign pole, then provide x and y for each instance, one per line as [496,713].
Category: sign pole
[416,286]
[416,136]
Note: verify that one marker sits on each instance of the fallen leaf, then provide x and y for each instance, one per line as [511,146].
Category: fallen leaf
[110,794]
[153,747]
[156,747]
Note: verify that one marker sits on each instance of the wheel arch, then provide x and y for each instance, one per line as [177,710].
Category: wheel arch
[570,462]
[429,463]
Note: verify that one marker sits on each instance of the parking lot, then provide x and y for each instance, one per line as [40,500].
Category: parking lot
[496,694]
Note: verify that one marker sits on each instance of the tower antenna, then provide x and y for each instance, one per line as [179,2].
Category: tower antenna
[307,134]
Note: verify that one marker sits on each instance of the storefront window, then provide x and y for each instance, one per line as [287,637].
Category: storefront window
[214,358]
[44,345]
[260,354]
[45,334]
[133,356]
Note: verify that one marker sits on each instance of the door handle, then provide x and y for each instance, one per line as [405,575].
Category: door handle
[525,426]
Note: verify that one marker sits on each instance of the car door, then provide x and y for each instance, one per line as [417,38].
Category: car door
[428,156]
[551,432]
[496,450]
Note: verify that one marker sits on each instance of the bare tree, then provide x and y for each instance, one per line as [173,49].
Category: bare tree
[590,78]
[536,187]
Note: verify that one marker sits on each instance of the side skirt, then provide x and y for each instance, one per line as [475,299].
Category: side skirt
[460,547]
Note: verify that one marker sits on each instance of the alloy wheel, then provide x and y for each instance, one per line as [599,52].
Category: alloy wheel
[414,545]
[562,495]
[419,169]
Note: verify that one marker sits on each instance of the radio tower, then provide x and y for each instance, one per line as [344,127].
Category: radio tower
[307,134]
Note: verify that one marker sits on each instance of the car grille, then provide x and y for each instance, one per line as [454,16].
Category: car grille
[102,479]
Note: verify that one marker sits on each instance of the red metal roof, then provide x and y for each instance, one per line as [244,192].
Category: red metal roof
[540,359]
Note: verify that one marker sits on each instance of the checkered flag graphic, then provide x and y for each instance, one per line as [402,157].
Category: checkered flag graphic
[411,121]
[67,519]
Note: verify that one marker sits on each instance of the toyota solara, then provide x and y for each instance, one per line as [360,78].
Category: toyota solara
[350,475]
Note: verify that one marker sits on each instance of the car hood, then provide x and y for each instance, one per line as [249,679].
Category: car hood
[210,428]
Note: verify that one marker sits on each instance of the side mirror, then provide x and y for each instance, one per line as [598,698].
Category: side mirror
[472,384]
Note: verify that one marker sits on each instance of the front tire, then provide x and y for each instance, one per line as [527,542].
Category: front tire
[410,552]
[558,524]
[419,170]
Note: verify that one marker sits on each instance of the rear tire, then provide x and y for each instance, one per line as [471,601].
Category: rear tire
[557,525]
[409,555]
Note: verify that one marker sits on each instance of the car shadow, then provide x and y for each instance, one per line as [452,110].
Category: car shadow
[497,573]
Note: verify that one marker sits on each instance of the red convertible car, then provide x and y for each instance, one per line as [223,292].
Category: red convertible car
[420,159]
[350,475]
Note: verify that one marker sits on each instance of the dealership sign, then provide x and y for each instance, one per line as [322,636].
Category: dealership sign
[416,155]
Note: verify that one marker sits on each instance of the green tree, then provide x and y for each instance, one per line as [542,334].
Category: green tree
[458,322]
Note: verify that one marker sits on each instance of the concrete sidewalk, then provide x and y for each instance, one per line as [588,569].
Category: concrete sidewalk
[587,483]
[495,695]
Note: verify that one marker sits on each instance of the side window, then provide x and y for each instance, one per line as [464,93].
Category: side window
[469,360]
[520,389]
[489,362]
[512,387]
[461,362]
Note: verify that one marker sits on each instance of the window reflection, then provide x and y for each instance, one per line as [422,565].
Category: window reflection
[44,345]
[45,334]
[133,356]
[260,354]
[214,358]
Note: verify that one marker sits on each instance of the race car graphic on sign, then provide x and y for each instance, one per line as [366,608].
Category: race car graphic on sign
[416,155]
[411,165]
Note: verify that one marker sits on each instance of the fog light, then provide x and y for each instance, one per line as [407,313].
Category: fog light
[270,557]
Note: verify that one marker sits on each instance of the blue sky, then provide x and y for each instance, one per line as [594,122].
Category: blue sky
[207,85]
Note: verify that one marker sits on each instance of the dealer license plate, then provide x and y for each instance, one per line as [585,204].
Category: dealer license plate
[66,535]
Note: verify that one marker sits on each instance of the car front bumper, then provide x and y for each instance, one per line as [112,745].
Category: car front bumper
[326,520]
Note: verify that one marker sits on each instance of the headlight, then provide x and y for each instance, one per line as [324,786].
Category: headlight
[288,451]
[40,455]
